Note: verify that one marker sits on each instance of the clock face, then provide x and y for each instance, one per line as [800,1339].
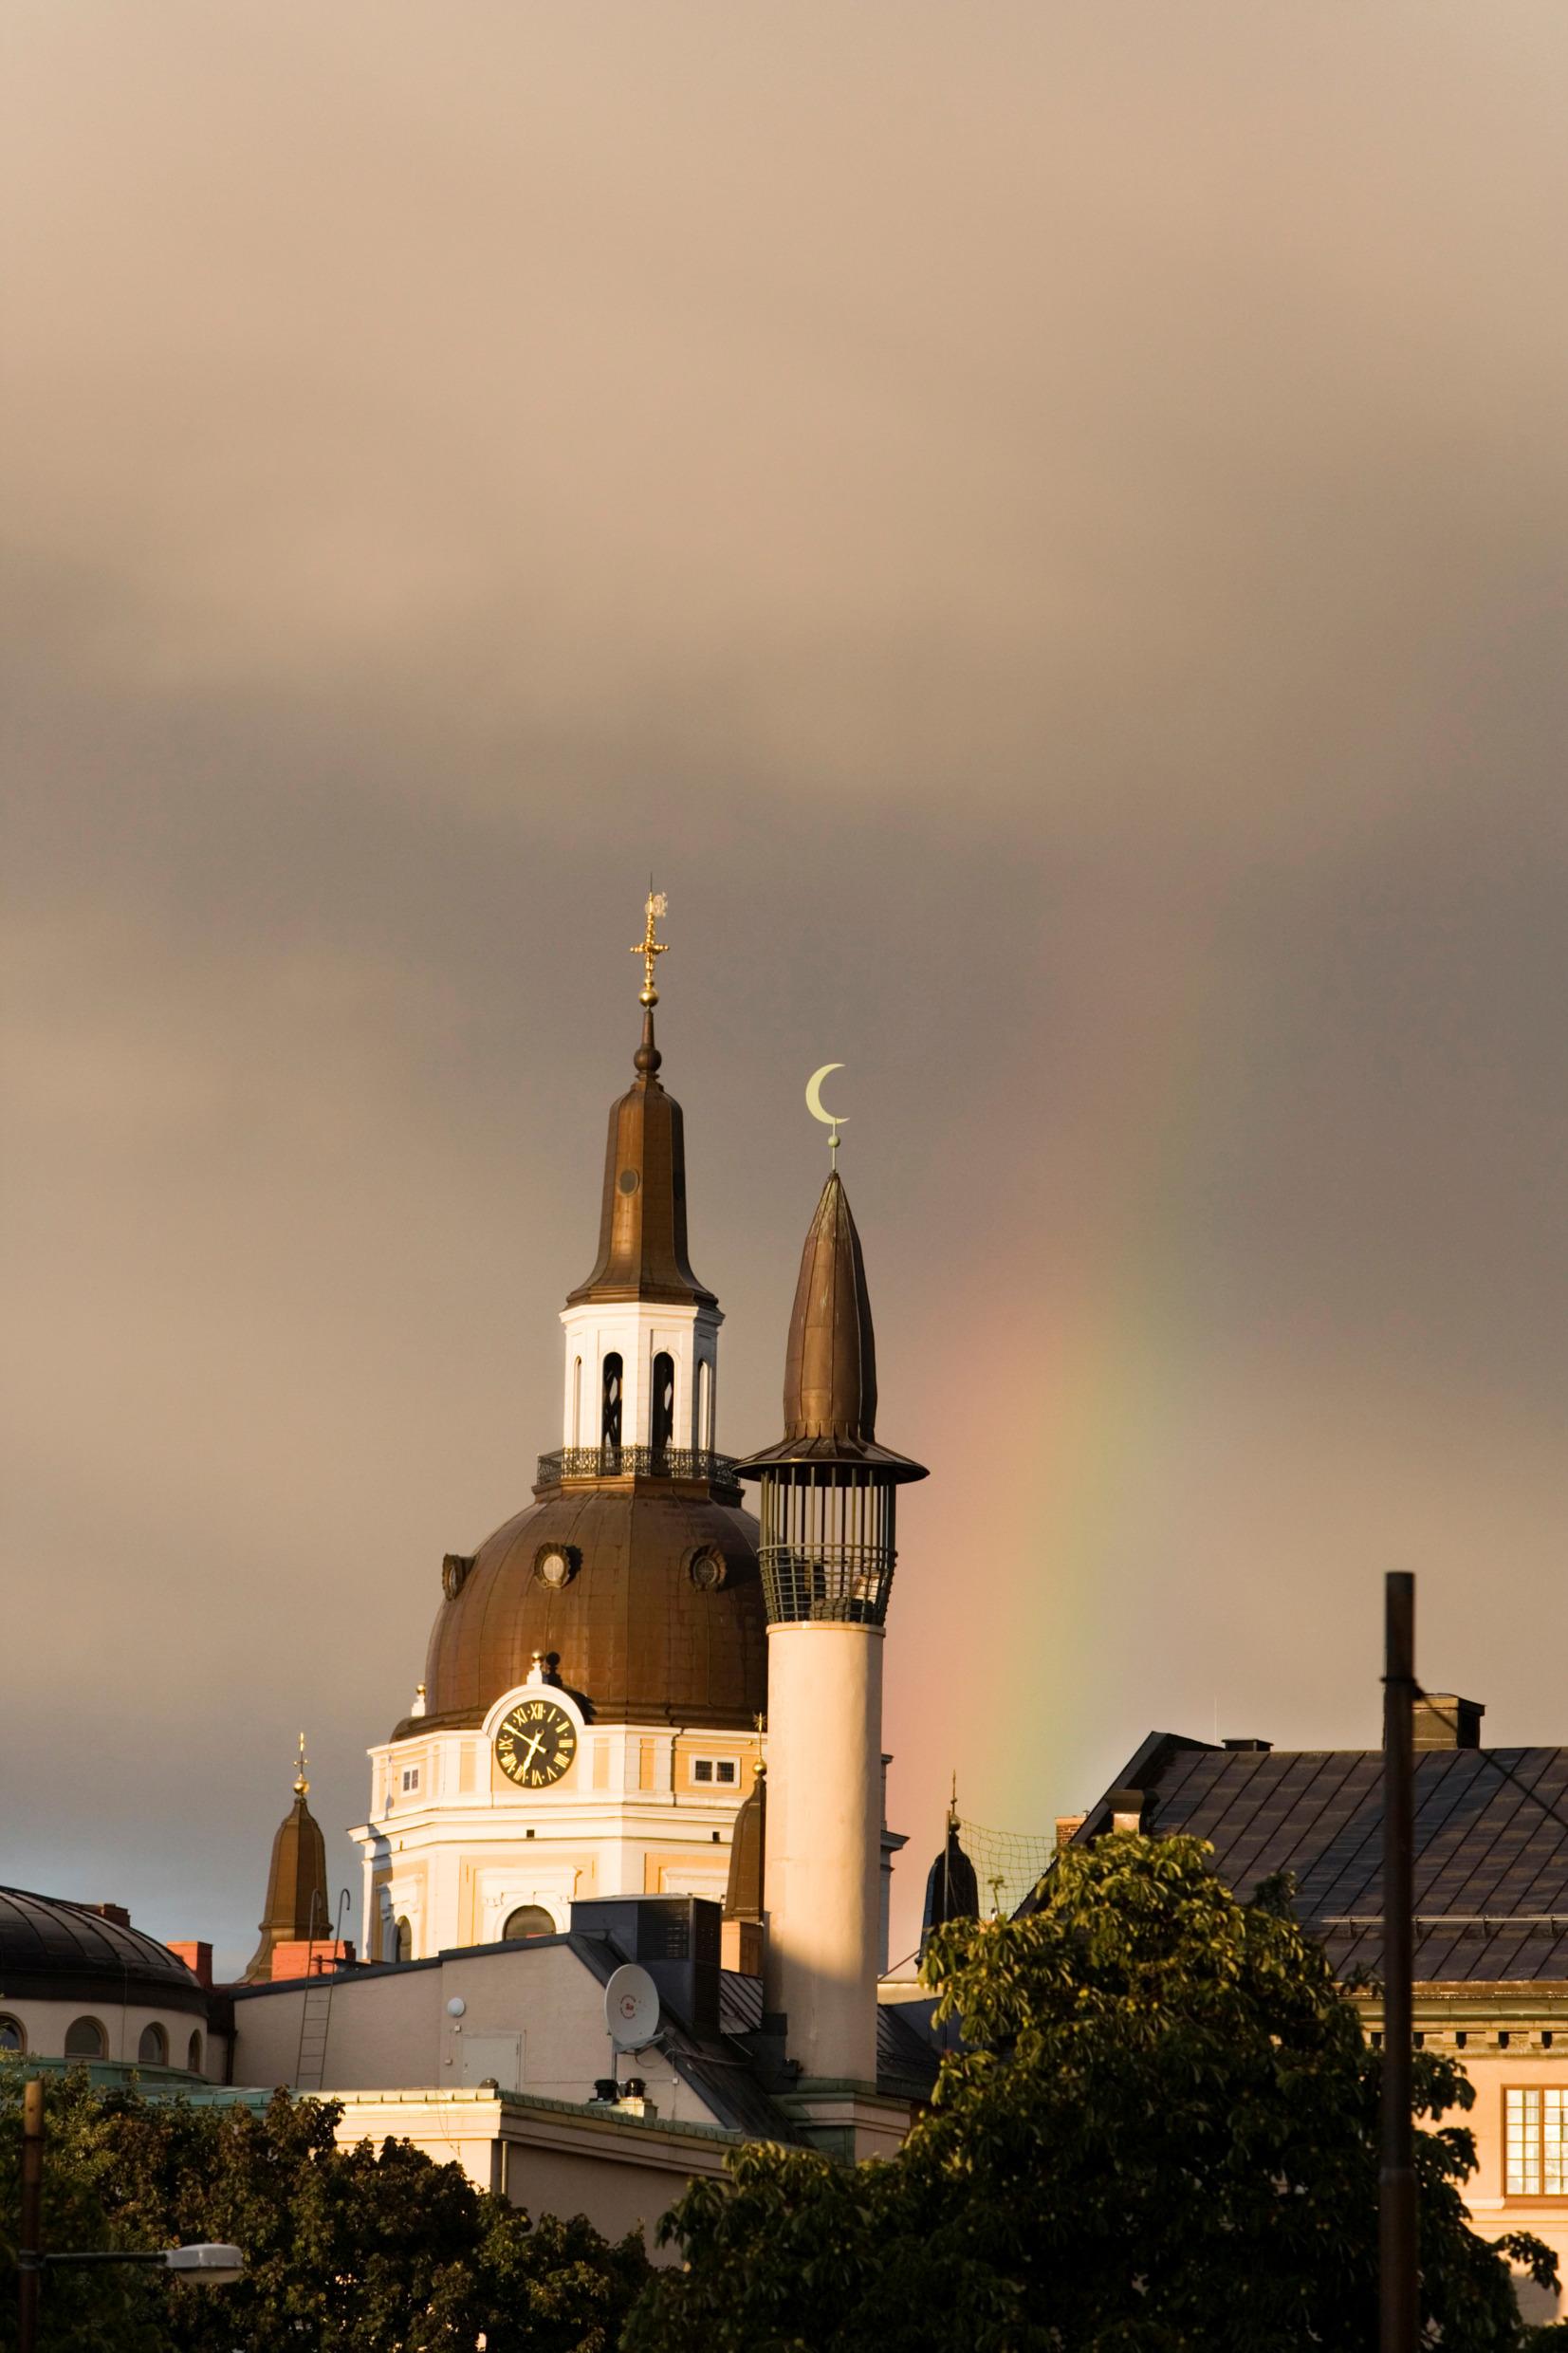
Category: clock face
[535,1744]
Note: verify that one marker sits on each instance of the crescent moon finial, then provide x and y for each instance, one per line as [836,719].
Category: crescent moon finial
[819,1110]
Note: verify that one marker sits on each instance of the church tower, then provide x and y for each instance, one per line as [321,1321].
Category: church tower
[588,1721]
[828,1493]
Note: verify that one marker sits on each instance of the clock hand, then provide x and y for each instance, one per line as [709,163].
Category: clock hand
[536,1742]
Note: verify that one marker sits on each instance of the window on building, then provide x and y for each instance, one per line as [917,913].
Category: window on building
[609,1419]
[11,2034]
[721,1768]
[1536,2142]
[192,2054]
[405,1942]
[411,1777]
[152,2050]
[529,1920]
[85,2039]
[661,1426]
[725,1770]
[577,1400]
[705,1404]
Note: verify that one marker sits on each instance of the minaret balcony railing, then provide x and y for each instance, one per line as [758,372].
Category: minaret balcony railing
[844,1584]
[591,1463]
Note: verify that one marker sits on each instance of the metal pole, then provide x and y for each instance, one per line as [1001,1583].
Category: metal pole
[29,2242]
[1398,2302]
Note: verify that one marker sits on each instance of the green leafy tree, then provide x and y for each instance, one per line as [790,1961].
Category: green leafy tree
[378,2251]
[1160,2136]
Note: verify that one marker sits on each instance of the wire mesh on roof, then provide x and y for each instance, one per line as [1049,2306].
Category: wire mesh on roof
[1008,1864]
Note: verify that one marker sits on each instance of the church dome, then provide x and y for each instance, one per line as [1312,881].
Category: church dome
[644,1591]
[54,1951]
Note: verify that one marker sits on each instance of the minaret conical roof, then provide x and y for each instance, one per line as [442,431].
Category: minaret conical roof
[830,1359]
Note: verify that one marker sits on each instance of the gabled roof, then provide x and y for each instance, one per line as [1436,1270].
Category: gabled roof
[1491,1861]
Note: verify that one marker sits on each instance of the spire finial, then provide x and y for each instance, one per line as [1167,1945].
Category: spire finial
[302,1763]
[647,948]
[819,1110]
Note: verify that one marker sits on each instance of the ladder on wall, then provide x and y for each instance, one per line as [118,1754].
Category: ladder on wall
[316,2009]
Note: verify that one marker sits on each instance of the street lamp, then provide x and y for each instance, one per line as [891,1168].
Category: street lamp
[216,2266]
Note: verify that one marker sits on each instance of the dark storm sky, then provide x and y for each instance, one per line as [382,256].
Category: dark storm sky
[1045,528]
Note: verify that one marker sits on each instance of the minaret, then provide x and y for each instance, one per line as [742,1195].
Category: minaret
[826,1555]
[297,1905]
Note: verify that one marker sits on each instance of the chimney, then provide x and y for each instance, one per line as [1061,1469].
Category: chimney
[1126,1810]
[115,1912]
[1249,1746]
[198,1959]
[1443,1720]
[1065,1826]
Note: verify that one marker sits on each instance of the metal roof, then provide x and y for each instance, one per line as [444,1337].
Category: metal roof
[1491,1851]
[56,1951]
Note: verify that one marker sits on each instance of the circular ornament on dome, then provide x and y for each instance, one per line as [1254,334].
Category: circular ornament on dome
[628,1180]
[706,1567]
[555,1565]
[454,1573]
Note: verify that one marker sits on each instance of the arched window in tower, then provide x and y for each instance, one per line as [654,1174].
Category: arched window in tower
[609,1425]
[577,1400]
[704,1405]
[661,1428]
[404,1935]
[529,1920]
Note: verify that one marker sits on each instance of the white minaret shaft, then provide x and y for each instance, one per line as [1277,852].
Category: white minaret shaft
[822,1867]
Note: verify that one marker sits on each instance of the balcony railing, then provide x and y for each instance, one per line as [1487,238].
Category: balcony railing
[847,1585]
[641,1462]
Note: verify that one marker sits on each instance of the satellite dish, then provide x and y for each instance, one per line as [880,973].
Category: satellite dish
[631,2007]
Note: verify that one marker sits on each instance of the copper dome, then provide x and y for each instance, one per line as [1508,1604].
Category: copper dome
[660,1618]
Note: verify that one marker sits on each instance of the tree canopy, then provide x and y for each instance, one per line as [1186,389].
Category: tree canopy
[1161,2134]
[373,2250]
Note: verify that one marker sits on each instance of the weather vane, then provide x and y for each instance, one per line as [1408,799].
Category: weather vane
[819,1110]
[302,1763]
[648,947]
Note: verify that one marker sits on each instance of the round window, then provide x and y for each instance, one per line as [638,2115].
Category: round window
[707,1568]
[555,1565]
[628,1180]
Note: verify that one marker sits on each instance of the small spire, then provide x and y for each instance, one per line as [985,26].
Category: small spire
[301,1785]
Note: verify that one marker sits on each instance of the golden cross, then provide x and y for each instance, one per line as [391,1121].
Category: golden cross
[300,1768]
[648,947]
